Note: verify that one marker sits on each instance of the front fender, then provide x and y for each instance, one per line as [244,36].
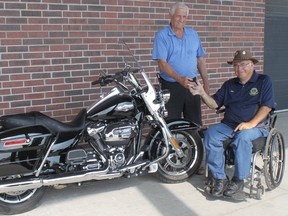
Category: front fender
[173,125]
[181,124]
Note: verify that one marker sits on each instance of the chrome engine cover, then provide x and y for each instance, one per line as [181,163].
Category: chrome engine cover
[120,133]
[113,138]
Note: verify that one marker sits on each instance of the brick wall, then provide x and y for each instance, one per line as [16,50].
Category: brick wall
[51,50]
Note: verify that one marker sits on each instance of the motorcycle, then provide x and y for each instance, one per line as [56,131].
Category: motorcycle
[124,134]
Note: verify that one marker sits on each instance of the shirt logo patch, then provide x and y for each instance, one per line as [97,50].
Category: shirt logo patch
[253,92]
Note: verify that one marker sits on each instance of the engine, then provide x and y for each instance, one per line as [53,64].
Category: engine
[114,139]
[120,133]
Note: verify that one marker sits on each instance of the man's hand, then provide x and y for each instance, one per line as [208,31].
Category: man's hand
[244,126]
[196,88]
[184,81]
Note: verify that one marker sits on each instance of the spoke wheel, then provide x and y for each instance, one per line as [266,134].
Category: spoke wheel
[173,168]
[274,159]
[20,201]
[17,197]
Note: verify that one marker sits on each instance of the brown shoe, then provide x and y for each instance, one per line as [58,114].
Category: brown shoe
[200,171]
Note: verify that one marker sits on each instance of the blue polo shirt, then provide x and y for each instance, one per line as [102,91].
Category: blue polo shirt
[242,101]
[180,54]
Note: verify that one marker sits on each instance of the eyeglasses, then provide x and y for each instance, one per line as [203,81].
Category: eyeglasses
[243,65]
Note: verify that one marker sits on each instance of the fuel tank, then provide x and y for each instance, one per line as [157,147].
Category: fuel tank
[116,104]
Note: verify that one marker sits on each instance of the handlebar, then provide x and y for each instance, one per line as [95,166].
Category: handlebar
[107,79]
[118,76]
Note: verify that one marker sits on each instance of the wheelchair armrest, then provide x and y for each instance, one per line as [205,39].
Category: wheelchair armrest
[272,119]
[218,111]
[272,116]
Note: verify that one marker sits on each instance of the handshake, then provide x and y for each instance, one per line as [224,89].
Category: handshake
[195,87]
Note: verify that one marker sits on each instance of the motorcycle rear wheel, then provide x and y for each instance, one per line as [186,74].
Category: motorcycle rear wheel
[173,169]
[20,201]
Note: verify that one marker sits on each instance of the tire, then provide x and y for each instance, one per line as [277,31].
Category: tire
[274,163]
[20,201]
[173,169]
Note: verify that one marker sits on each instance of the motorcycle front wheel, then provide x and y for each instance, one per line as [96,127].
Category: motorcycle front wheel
[174,169]
[20,201]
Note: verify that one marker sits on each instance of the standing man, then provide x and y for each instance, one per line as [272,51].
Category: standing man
[179,54]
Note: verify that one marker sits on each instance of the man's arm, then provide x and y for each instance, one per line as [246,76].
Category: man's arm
[164,66]
[197,89]
[259,116]
[203,73]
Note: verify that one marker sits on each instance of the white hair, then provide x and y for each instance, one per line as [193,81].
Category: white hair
[179,5]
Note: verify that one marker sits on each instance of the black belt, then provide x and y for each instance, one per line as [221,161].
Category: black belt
[161,80]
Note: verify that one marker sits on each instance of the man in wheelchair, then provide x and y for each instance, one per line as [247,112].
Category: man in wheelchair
[248,98]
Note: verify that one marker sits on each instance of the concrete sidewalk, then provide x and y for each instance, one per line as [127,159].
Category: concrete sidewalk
[145,195]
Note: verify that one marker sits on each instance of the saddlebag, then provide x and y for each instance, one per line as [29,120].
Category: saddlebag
[21,148]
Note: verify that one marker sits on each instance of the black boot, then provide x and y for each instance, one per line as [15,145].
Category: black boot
[219,187]
[236,185]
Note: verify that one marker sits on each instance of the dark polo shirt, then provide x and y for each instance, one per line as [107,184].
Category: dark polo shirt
[242,101]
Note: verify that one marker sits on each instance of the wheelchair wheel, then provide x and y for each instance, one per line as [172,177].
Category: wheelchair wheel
[274,159]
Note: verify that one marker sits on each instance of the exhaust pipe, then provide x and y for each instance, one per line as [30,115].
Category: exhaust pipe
[33,183]
[18,185]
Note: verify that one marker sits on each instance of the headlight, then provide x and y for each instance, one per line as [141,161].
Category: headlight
[165,95]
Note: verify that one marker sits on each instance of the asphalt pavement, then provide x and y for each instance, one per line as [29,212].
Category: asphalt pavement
[145,195]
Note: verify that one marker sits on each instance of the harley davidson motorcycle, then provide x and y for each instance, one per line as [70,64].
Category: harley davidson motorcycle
[108,140]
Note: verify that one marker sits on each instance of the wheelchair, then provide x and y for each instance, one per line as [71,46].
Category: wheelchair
[267,163]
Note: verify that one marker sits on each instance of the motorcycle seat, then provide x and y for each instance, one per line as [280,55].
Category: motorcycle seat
[37,118]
